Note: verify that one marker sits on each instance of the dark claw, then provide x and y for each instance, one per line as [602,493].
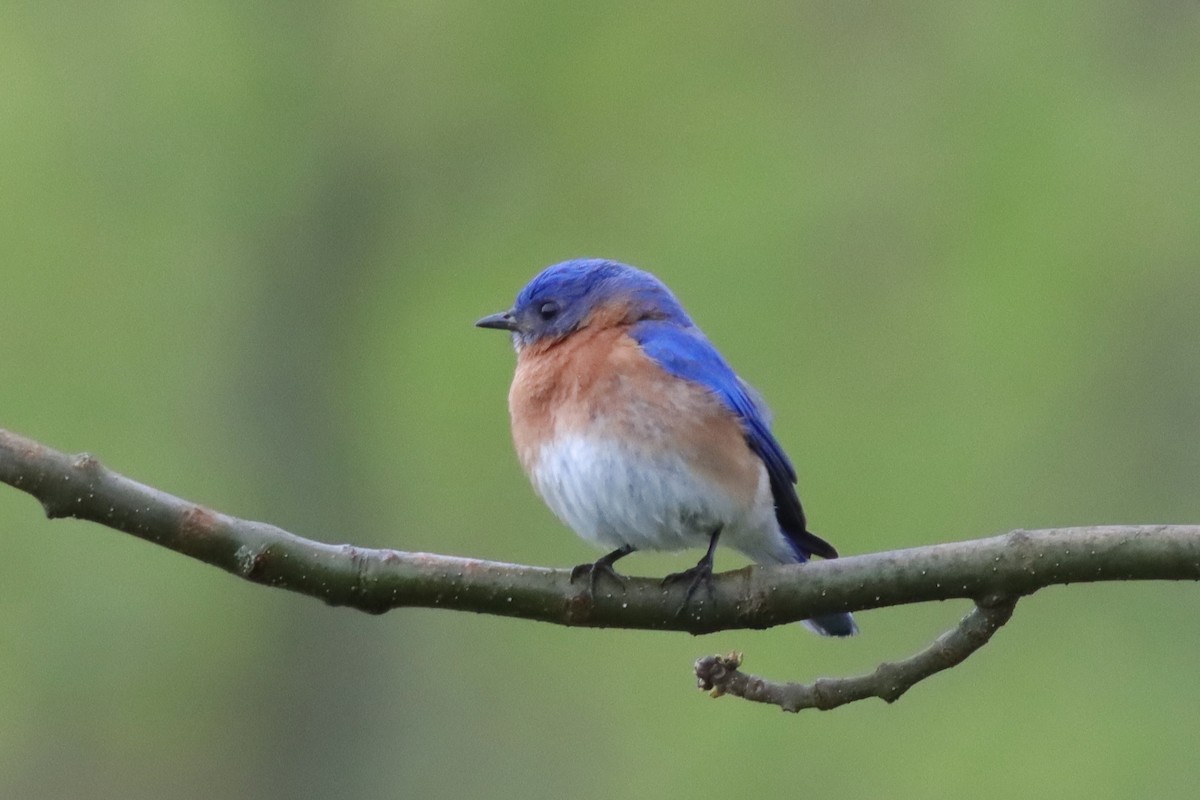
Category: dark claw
[697,576]
[602,566]
[593,571]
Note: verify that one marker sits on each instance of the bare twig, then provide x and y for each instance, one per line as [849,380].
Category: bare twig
[720,675]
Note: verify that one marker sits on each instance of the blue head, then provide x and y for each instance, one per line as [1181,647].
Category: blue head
[574,294]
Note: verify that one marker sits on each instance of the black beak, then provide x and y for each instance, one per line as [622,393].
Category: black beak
[503,321]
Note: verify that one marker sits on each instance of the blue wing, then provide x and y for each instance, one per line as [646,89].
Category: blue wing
[684,352]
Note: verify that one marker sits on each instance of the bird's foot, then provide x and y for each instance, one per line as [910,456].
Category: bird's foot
[601,566]
[698,576]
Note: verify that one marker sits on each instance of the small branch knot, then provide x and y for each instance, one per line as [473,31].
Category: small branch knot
[85,462]
[712,672]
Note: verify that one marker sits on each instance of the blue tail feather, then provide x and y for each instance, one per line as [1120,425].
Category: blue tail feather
[832,624]
[840,624]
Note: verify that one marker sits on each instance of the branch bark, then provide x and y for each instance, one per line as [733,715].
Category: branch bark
[719,675]
[375,581]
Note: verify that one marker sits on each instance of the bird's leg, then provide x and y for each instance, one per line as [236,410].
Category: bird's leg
[602,566]
[697,576]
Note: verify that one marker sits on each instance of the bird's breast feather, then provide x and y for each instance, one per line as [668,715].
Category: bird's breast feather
[602,386]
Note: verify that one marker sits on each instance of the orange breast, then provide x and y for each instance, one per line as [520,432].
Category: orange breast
[599,384]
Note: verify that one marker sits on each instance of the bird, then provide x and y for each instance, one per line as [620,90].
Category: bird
[639,435]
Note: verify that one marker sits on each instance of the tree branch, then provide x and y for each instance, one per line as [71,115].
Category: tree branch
[719,675]
[1008,566]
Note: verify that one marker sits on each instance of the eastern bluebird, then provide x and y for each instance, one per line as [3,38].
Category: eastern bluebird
[638,435]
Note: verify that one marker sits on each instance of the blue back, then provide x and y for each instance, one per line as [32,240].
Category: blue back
[685,352]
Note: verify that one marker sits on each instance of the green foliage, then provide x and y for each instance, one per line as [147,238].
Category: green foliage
[955,245]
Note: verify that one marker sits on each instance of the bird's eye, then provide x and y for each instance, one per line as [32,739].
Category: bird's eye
[548,310]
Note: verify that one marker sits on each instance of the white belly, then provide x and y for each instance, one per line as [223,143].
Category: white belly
[613,495]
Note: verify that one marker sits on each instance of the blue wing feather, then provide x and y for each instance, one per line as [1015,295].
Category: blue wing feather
[685,352]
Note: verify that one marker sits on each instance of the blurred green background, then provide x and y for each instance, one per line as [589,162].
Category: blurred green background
[956,245]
